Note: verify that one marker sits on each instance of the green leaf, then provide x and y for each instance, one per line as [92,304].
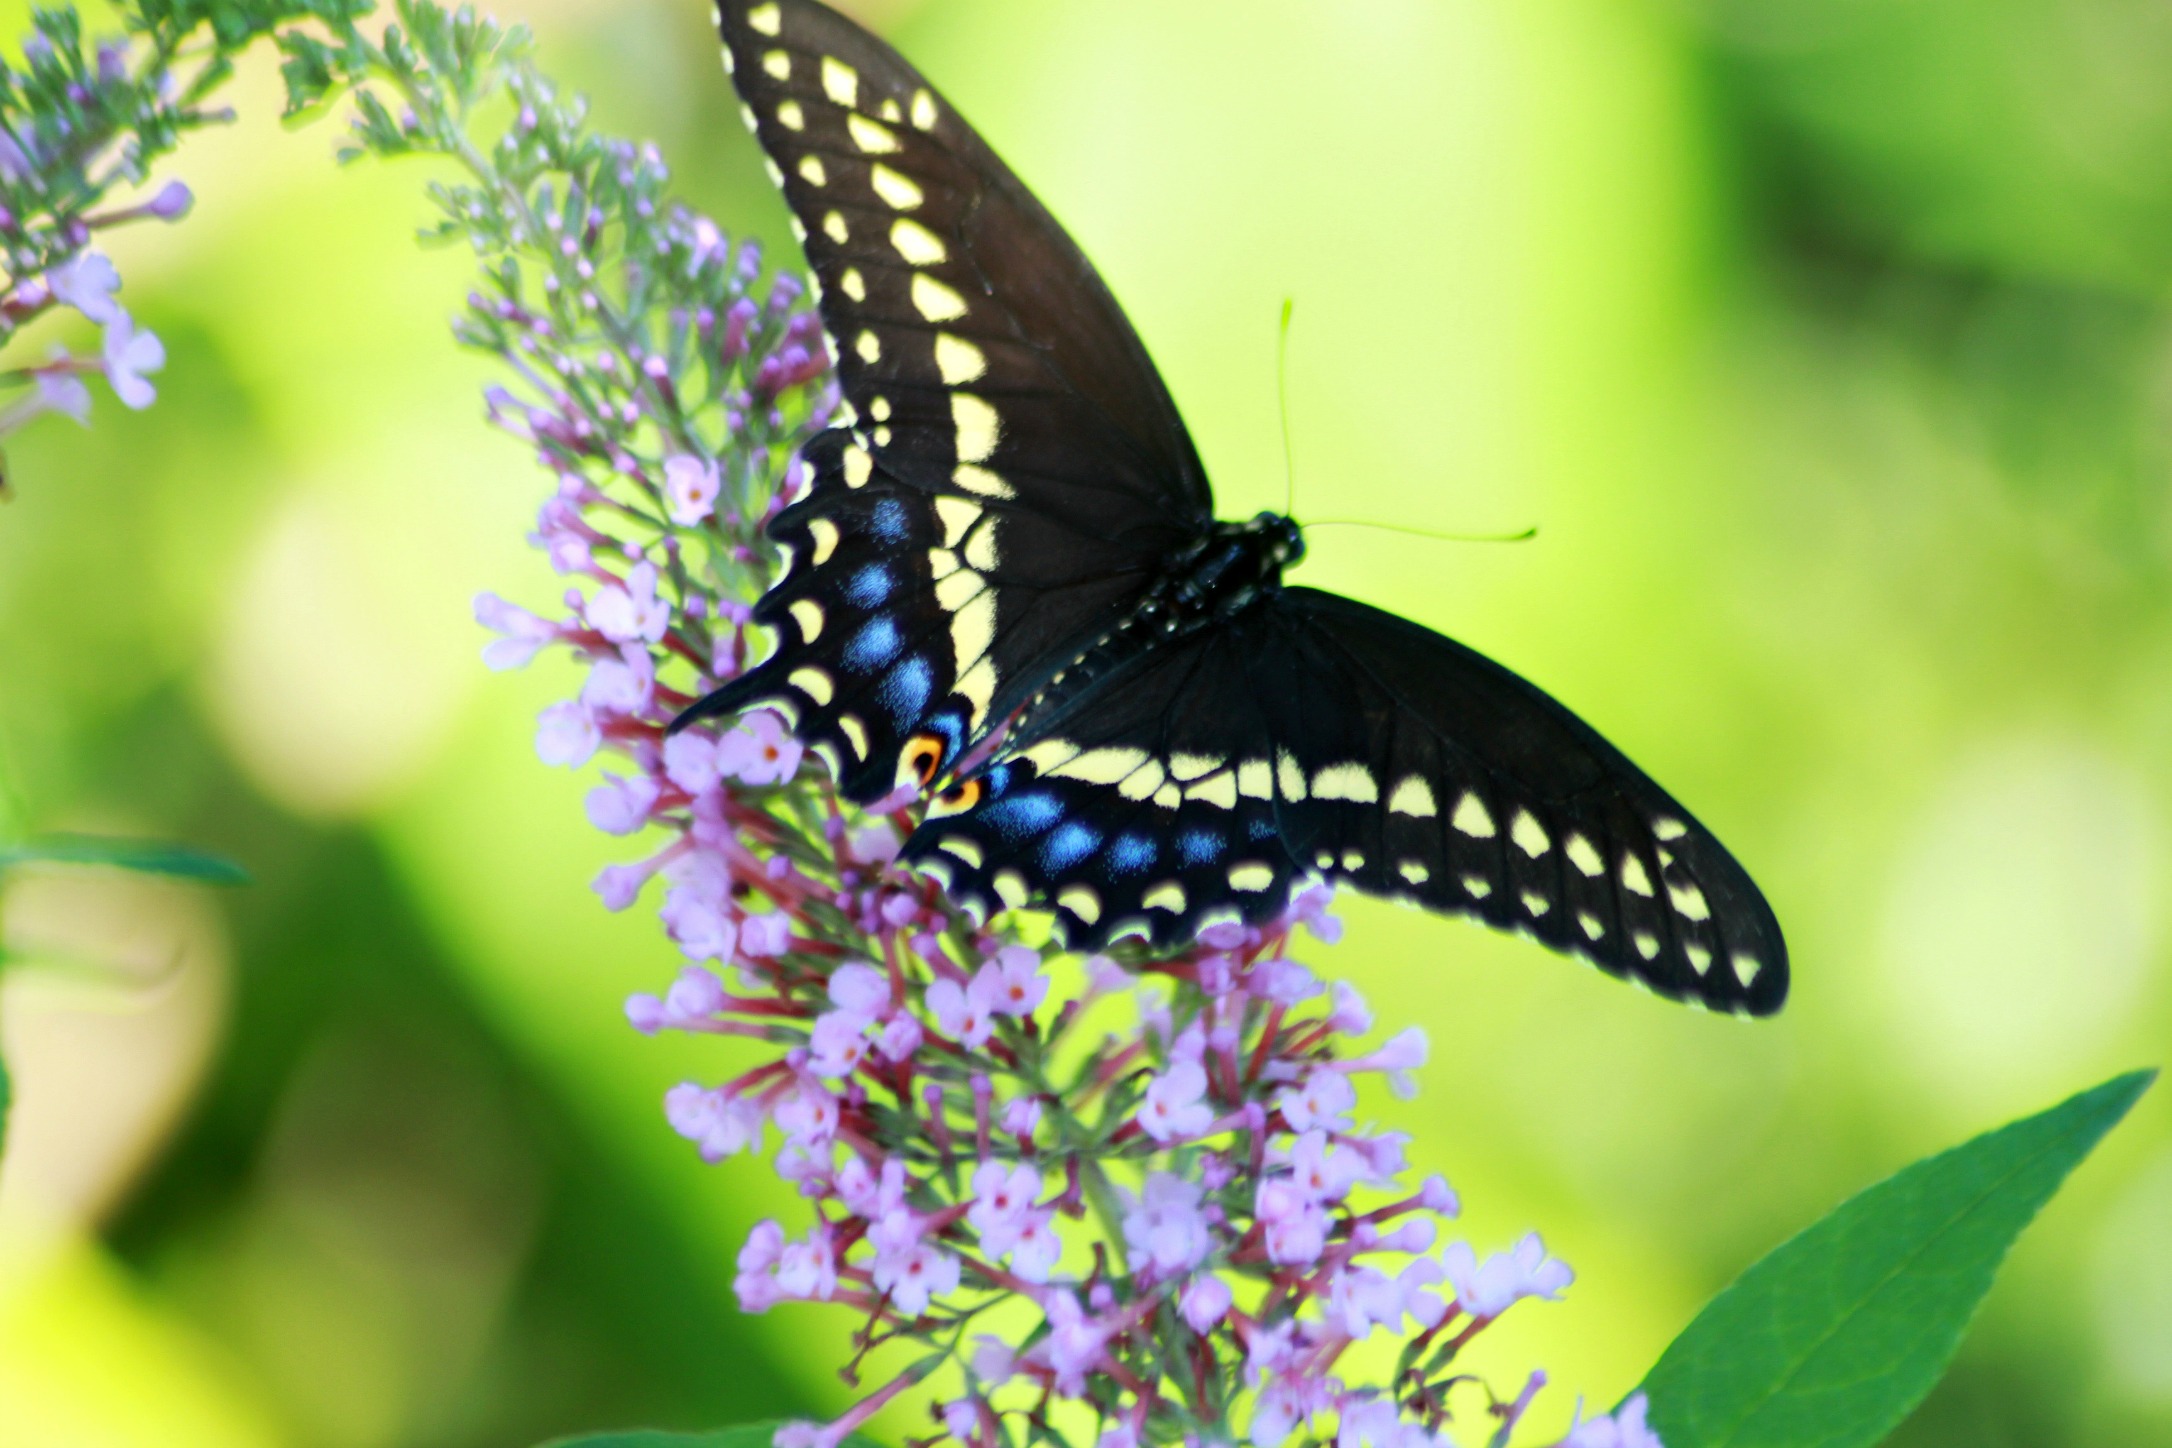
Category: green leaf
[1835,1336]
[747,1435]
[149,857]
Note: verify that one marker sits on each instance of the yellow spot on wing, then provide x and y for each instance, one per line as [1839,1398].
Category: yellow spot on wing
[1144,782]
[964,849]
[813,172]
[898,191]
[869,346]
[1690,901]
[778,63]
[1081,901]
[859,467]
[853,284]
[1220,790]
[918,245]
[1352,782]
[808,615]
[1591,924]
[936,302]
[855,733]
[1530,836]
[1413,797]
[972,630]
[1471,817]
[978,688]
[958,360]
[792,115]
[1010,888]
[958,588]
[957,516]
[980,549]
[1168,796]
[1256,779]
[1669,829]
[923,110]
[814,684]
[833,227]
[824,533]
[1102,766]
[872,137]
[980,428]
[1414,871]
[1169,895]
[1192,766]
[1584,857]
[840,82]
[768,19]
[975,479]
[1251,878]
[1289,776]
[1633,876]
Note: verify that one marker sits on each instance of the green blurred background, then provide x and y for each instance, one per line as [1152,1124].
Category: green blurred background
[1827,341]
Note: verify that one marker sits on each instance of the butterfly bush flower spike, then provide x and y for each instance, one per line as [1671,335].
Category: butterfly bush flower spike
[1136,1195]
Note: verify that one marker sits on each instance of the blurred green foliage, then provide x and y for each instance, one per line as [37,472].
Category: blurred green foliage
[1828,343]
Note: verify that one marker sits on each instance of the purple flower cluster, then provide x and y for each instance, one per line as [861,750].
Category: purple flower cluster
[86,282]
[1129,1194]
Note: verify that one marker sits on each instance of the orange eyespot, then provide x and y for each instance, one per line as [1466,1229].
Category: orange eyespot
[955,800]
[924,756]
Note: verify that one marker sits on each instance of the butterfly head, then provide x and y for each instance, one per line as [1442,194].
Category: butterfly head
[1285,541]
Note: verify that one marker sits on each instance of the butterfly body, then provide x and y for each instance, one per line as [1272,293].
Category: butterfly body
[1005,584]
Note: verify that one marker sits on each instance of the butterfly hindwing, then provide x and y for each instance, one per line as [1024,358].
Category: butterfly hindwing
[1420,769]
[1144,808]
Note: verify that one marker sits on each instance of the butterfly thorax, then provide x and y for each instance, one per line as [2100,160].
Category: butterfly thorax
[1225,571]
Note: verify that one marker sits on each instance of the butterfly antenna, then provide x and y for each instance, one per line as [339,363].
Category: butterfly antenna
[1524,537]
[1282,394]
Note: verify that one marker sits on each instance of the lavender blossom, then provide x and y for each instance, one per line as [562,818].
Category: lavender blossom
[1160,1158]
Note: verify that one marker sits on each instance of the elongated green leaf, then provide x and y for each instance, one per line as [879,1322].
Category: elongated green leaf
[747,1435]
[1836,1336]
[150,857]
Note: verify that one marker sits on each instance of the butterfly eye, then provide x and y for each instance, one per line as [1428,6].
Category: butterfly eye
[924,756]
[955,800]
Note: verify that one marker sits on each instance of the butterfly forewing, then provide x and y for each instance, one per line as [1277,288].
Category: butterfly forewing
[992,386]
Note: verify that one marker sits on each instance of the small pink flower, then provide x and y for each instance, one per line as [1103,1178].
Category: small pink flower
[695,996]
[1015,984]
[765,936]
[1490,1288]
[1022,1115]
[87,283]
[1205,1302]
[703,929]
[761,751]
[624,686]
[1165,1229]
[1294,1227]
[632,612]
[620,885]
[718,1122]
[1036,1248]
[756,1285]
[861,989]
[1359,1299]
[1324,1174]
[1001,1198]
[1321,1102]
[1625,1429]
[566,735]
[961,1013]
[690,762]
[61,391]
[838,1044]
[1351,1016]
[690,488]
[524,633]
[994,1360]
[1403,1053]
[130,353]
[1174,1107]
[621,806]
[807,1270]
[807,1113]
[901,1038]
[868,1194]
[915,1276]
[1075,1345]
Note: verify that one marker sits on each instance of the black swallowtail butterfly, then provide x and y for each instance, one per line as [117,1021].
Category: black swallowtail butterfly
[1010,525]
